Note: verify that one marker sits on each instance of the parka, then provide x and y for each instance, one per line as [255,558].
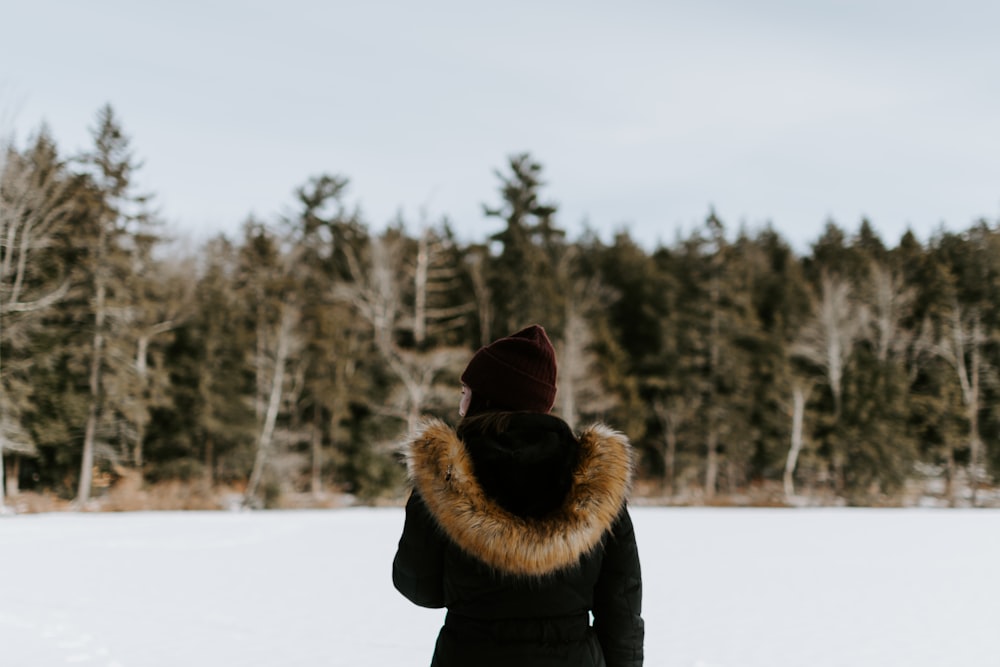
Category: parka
[520,528]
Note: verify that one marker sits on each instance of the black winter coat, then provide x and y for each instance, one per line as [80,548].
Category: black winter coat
[520,529]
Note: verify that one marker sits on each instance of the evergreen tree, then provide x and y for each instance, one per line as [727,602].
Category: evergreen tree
[322,235]
[213,383]
[117,241]
[37,198]
[968,331]
[521,277]
[268,282]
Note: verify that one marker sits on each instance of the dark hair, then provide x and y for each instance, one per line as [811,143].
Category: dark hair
[481,404]
[493,421]
[529,491]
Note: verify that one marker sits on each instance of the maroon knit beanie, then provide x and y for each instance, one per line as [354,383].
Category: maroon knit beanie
[515,373]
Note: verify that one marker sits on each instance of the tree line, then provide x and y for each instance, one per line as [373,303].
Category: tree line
[292,357]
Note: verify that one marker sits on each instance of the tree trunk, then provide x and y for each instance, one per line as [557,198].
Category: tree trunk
[273,405]
[2,503]
[571,364]
[140,436]
[949,488]
[93,411]
[420,291]
[87,462]
[669,460]
[13,476]
[968,379]
[141,366]
[209,462]
[96,363]
[673,414]
[712,464]
[798,418]
[975,441]
[316,485]
[333,424]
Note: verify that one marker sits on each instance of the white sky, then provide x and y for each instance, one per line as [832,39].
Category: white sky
[644,114]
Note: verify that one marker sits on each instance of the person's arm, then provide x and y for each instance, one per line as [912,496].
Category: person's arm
[418,569]
[618,598]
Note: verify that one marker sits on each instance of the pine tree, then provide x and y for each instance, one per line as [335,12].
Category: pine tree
[521,280]
[117,240]
[321,236]
[214,384]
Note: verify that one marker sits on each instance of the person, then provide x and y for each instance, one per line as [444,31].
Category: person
[520,527]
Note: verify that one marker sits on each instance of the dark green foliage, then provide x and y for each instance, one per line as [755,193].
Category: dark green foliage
[522,276]
[293,358]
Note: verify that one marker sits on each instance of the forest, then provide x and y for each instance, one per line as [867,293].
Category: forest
[283,366]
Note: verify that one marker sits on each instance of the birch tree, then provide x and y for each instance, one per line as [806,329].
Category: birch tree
[827,342]
[269,284]
[581,389]
[962,348]
[384,291]
[965,336]
[889,301]
[278,345]
[800,396]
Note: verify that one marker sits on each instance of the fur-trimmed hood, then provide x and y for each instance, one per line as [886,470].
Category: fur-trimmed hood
[443,472]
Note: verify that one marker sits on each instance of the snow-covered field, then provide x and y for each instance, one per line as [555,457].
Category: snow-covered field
[723,588]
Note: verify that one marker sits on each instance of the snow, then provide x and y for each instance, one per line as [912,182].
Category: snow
[723,588]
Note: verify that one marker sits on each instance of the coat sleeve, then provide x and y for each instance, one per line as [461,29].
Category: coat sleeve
[418,569]
[618,598]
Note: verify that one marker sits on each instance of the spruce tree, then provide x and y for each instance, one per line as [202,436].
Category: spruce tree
[117,241]
[521,276]
[38,196]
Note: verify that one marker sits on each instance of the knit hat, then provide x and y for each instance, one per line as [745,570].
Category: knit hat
[517,372]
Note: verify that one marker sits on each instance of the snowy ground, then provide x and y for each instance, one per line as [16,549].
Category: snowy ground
[723,588]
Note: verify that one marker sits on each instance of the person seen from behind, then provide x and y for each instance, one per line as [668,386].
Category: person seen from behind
[519,526]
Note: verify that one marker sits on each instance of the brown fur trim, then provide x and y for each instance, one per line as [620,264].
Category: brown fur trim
[441,469]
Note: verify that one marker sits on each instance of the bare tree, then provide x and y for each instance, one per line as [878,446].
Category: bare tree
[36,200]
[274,351]
[377,292]
[961,347]
[800,395]
[435,276]
[827,341]
[580,387]
[890,301]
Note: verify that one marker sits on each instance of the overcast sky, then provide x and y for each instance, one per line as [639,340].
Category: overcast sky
[644,115]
